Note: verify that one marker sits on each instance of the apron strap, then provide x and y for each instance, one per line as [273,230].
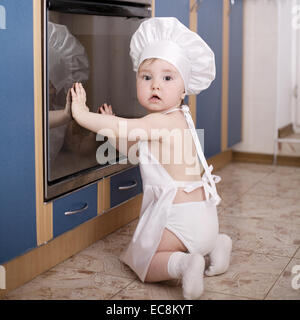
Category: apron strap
[210,190]
[207,176]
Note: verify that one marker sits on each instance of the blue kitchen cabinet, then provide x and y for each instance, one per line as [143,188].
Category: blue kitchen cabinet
[74,209]
[174,8]
[125,185]
[235,73]
[209,102]
[17,170]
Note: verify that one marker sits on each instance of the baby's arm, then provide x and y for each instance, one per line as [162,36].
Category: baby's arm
[60,117]
[118,127]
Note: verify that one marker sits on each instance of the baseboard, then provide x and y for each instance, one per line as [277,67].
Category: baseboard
[265,158]
[33,263]
[220,160]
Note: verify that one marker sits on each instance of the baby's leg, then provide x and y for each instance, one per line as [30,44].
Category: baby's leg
[171,262]
[158,269]
[220,256]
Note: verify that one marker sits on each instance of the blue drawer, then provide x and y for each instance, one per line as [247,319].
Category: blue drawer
[84,201]
[125,185]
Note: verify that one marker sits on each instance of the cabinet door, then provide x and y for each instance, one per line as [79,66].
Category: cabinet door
[235,73]
[209,102]
[173,8]
[74,209]
[17,171]
[125,185]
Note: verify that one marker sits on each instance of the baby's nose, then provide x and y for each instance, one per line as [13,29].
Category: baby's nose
[155,85]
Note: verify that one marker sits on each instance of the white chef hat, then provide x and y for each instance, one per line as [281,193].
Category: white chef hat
[68,62]
[170,40]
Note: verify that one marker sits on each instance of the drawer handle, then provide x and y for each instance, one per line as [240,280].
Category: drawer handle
[68,213]
[129,187]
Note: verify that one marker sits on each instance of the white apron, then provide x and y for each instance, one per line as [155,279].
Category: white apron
[159,190]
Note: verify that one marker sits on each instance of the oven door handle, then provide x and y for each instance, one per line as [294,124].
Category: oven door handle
[129,187]
[68,213]
[103,8]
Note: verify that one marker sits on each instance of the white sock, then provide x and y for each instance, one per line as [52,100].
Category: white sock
[189,268]
[220,256]
[176,264]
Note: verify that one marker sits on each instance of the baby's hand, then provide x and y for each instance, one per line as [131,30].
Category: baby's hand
[78,100]
[105,109]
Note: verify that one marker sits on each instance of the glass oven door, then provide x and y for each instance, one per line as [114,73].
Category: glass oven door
[86,42]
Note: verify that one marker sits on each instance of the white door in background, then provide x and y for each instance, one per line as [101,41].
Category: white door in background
[296,30]
[297,89]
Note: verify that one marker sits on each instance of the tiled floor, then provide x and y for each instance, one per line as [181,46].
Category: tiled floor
[260,212]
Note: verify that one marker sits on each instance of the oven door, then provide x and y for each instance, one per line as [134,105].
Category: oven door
[86,42]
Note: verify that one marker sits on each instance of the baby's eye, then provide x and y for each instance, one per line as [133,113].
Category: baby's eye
[167,78]
[146,77]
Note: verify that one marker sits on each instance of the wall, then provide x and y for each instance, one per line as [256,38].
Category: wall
[296,64]
[265,69]
[284,63]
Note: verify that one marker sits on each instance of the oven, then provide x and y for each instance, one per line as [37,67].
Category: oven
[87,42]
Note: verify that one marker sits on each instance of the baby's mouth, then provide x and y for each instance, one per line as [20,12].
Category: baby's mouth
[155,98]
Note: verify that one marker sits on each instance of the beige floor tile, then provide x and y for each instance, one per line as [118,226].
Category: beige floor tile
[165,291]
[250,275]
[227,175]
[243,168]
[287,170]
[210,295]
[289,178]
[281,190]
[297,255]
[228,198]
[127,230]
[241,180]
[114,243]
[231,190]
[283,182]
[253,206]
[237,179]
[138,290]
[261,236]
[106,263]
[287,287]
[66,284]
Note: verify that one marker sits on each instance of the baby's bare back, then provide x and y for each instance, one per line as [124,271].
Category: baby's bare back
[176,152]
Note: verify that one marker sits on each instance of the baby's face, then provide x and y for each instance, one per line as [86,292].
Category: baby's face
[159,85]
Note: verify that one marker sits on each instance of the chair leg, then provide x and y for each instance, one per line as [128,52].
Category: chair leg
[275,152]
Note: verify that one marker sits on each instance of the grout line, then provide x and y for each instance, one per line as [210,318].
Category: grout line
[294,256]
[277,279]
[121,289]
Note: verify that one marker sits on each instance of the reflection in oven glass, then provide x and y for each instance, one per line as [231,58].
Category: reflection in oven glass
[77,58]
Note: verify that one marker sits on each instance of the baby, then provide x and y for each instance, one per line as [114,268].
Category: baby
[178,222]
